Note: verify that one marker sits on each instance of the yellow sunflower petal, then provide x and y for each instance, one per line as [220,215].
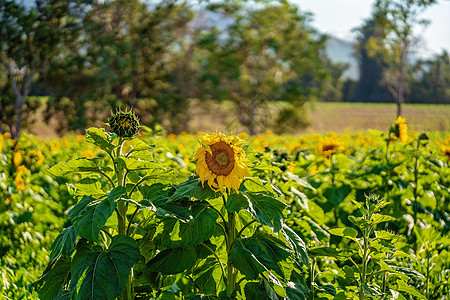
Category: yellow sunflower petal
[220,161]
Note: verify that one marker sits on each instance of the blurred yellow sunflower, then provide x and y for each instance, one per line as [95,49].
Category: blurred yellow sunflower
[220,161]
[446,150]
[329,146]
[400,129]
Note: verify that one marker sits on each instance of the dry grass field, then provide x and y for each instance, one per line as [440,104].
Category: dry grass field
[343,117]
[323,117]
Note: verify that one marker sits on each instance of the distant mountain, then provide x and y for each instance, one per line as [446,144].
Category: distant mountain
[342,51]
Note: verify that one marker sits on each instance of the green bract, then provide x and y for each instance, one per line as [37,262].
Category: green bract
[124,124]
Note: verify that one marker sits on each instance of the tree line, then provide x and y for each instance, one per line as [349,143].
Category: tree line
[91,57]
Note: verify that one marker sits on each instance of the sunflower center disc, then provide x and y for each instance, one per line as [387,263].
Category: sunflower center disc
[221,159]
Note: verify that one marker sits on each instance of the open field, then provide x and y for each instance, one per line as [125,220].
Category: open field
[324,117]
[341,117]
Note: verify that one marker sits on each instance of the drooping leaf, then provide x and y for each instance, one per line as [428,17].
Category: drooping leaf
[64,242]
[105,273]
[51,282]
[246,261]
[173,261]
[407,271]
[156,198]
[236,202]
[321,234]
[311,209]
[157,193]
[259,290]
[327,288]
[300,181]
[207,277]
[266,209]
[295,288]
[297,244]
[259,253]
[404,287]
[80,206]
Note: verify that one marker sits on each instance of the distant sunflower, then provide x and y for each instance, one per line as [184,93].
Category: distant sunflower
[329,146]
[400,129]
[221,161]
[446,150]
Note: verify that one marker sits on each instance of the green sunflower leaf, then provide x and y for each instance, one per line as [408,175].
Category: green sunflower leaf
[79,165]
[64,242]
[50,285]
[100,138]
[104,274]
[173,261]
[89,215]
[194,188]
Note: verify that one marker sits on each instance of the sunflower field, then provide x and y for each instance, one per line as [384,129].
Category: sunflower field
[130,212]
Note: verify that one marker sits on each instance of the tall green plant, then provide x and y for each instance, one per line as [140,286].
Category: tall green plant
[373,270]
[135,232]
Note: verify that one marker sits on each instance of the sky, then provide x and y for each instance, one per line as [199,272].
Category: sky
[339,17]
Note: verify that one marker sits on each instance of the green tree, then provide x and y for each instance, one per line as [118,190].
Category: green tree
[370,85]
[397,18]
[268,52]
[431,80]
[30,37]
[131,50]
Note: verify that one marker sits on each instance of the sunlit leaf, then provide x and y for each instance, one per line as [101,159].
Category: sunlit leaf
[80,165]
[100,138]
[404,287]
[349,232]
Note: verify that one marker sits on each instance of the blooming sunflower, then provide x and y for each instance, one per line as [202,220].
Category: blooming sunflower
[220,161]
[329,146]
[400,129]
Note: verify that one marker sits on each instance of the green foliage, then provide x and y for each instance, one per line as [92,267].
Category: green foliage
[31,37]
[137,229]
[284,235]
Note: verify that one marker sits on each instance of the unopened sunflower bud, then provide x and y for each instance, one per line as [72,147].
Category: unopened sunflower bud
[423,136]
[124,123]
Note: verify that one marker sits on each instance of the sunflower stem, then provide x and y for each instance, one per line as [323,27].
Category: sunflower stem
[128,293]
[231,273]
